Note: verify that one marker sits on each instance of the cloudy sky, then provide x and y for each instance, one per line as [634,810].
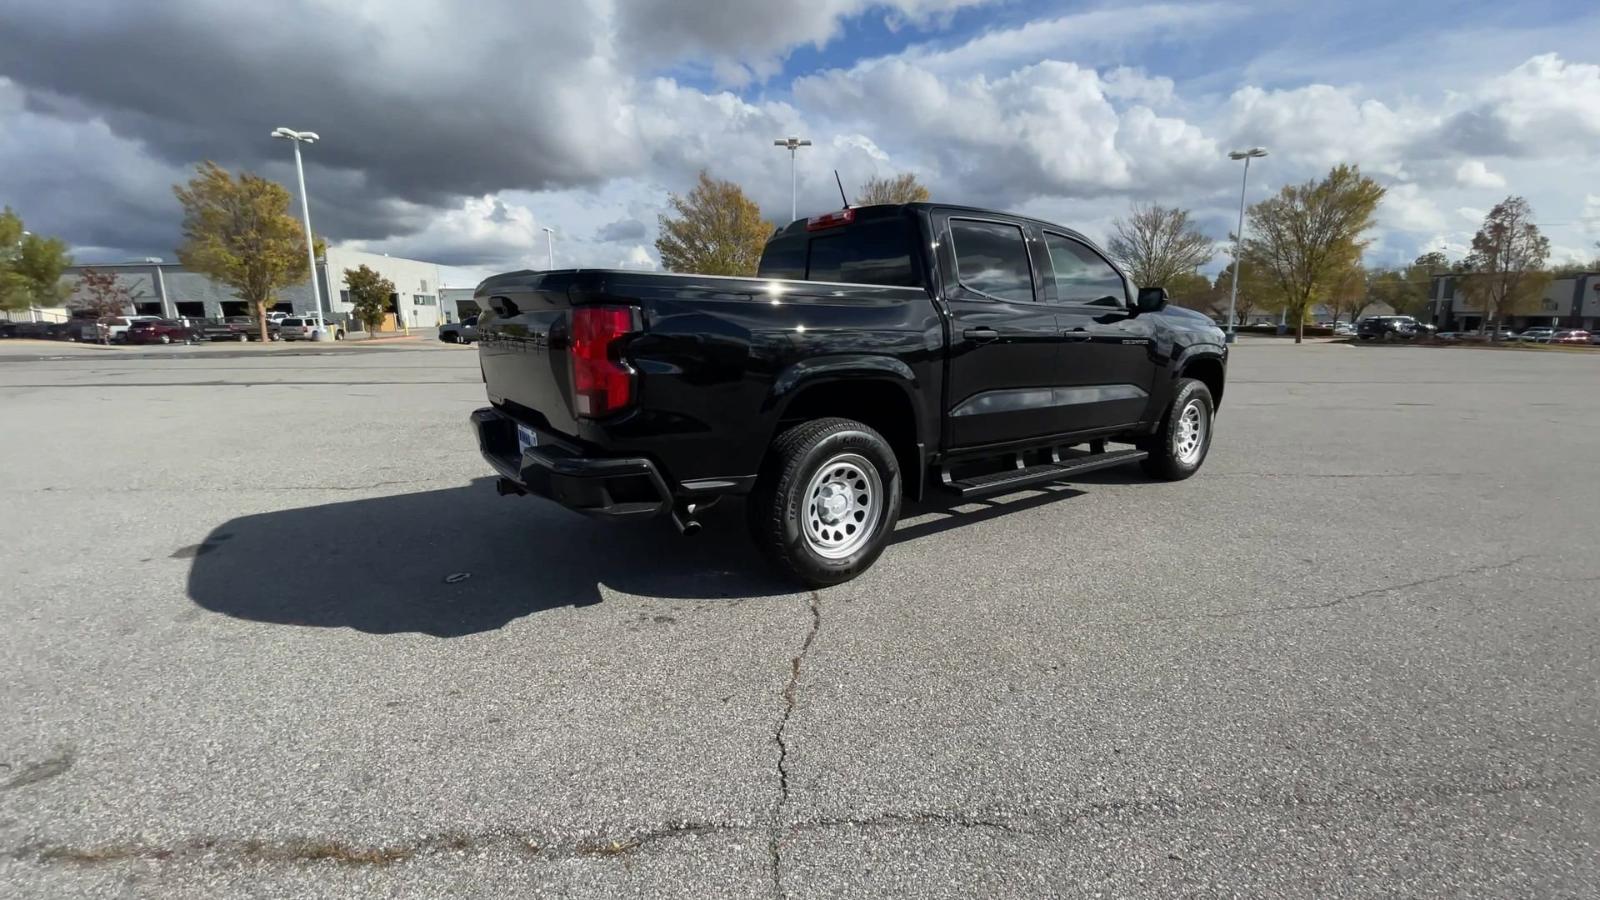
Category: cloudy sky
[454,132]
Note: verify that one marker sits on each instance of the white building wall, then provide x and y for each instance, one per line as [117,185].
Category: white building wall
[415,282]
[456,303]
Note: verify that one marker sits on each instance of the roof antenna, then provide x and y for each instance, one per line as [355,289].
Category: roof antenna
[840,182]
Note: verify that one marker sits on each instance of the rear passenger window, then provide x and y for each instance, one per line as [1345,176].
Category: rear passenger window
[1081,275]
[992,257]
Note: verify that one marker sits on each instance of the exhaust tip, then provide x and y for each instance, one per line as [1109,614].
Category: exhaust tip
[683,517]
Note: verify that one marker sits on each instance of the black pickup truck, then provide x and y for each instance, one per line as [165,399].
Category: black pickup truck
[880,351]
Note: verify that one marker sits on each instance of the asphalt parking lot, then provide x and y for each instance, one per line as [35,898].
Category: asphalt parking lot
[269,632]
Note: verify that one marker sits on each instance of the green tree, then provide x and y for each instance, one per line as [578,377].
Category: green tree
[30,266]
[370,293]
[1157,244]
[1188,288]
[1434,262]
[717,231]
[1505,270]
[239,232]
[1348,296]
[1255,293]
[904,188]
[1405,289]
[1309,236]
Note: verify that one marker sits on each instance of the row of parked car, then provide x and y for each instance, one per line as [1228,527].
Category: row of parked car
[1389,328]
[156,330]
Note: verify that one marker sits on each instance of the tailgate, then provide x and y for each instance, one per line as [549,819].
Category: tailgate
[522,347]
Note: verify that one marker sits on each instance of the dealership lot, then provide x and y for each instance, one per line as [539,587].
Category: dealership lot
[270,632]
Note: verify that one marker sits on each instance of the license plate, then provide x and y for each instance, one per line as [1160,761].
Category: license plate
[526,437]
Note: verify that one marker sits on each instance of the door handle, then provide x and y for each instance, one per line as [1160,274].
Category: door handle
[980,335]
[1077,335]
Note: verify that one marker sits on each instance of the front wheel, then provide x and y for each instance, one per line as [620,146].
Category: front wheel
[1180,445]
[827,501]
[166,339]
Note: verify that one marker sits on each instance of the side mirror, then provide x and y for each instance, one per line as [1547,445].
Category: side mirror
[1151,299]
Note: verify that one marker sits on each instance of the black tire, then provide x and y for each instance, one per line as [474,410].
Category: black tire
[166,339]
[776,507]
[1167,460]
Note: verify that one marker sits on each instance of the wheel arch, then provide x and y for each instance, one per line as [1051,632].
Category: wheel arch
[1209,370]
[874,391]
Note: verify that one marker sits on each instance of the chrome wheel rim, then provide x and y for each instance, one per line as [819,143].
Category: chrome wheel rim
[1191,438]
[842,506]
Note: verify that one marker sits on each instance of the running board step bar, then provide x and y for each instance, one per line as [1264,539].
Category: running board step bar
[1015,479]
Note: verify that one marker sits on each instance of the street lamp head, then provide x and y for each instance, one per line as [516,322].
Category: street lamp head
[791,142]
[289,134]
[1252,153]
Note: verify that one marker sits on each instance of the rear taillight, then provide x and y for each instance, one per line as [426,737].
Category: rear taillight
[601,382]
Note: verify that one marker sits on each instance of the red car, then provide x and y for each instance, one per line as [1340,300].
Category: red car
[1570,336]
[163,331]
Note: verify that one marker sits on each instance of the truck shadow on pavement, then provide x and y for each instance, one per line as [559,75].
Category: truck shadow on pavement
[456,562]
[463,560]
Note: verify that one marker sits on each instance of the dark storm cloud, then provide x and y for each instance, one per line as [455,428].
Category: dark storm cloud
[622,230]
[422,108]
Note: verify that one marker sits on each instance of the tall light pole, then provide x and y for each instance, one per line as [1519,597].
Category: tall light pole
[549,247]
[298,138]
[793,143]
[1238,237]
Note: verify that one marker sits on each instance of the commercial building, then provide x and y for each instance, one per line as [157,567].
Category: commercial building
[172,290]
[1572,302]
[456,303]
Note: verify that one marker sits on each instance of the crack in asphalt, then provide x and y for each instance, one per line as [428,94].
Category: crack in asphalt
[1360,595]
[774,839]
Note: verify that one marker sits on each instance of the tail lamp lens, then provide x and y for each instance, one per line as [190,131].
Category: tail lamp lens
[601,382]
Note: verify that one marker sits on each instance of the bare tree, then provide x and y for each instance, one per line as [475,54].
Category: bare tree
[899,189]
[1157,244]
[101,293]
[1506,265]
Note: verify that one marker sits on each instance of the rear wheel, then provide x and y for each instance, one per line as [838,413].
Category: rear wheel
[827,501]
[1180,445]
[243,338]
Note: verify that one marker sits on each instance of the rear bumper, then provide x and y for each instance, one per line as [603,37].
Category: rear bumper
[621,487]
